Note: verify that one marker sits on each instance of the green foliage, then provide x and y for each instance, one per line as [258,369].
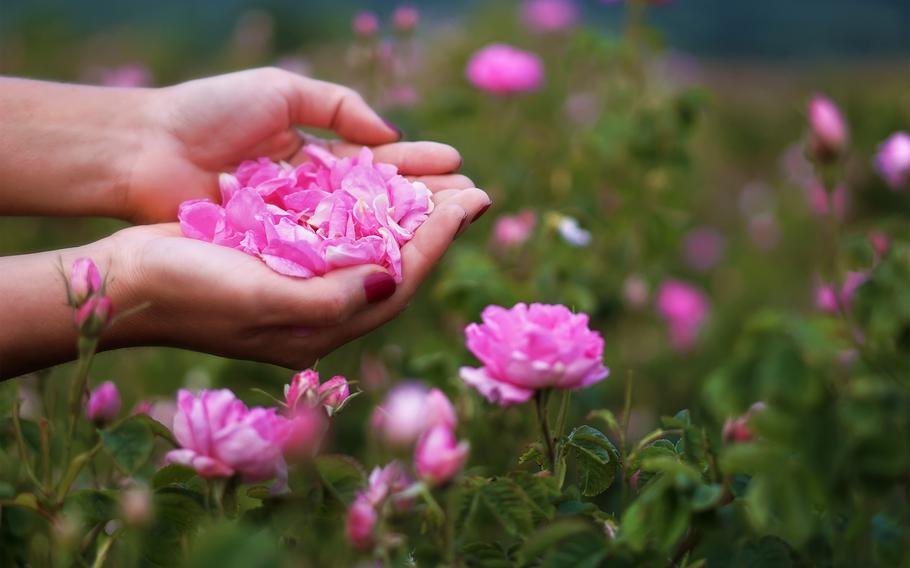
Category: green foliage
[129,443]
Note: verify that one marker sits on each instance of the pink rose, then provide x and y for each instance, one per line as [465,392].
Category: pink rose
[823,204]
[386,482]
[549,15]
[439,456]
[405,18]
[365,24]
[513,230]
[361,521]
[737,430]
[502,69]
[103,403]
[409,410]
[827,129]
[220,437]
[93,316]
[893,160]
[333,392]
[84,281]
[305,429]
[304,384]
[684,308]
[527,348]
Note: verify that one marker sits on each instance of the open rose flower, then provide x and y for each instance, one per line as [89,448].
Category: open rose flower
[220,437]
[409,410]
[504,70]
[324,214]
[527,348]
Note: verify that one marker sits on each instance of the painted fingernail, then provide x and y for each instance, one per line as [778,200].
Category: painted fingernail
[392,126]
[482,211]
[460,163]
[378,286]
[463,227]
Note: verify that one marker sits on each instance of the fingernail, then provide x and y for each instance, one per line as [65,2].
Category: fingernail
[463,227]
[460,163]
[392,125]
[482,211]
[378,286]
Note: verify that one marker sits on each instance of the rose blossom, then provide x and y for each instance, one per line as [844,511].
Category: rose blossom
[307,220]
[503,70]
[304,384]
[527,348]
[93,316]
[305,429]
[439,456]
[84,281]
[827,129]
[361,520]
[513,230]
[893,160]
[103,403]
[405,18]
[549,15]
[684,308]
[737,430]
[830,300]
[365,24]
[220,437]
[333,393]
[386,482]
[410,409]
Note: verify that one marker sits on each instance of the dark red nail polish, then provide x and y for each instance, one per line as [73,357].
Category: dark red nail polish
[378,286]
[392,125]
[460,163]
[481,212]
[462,227]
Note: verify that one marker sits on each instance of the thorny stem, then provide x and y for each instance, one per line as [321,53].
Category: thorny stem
[561,418]
[540,404]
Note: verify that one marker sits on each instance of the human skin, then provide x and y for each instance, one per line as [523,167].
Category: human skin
[136,154]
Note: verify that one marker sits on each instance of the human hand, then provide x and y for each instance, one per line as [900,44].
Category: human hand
[219,300]
[195,130]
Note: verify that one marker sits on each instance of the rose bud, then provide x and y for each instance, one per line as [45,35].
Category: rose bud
[737,430]
[893,161]
[439,456]
[361,521]
[103,404]
[333,393]
[93,316]
[365,24]
[827,130]
[84,281]
[304,384]
[387,482]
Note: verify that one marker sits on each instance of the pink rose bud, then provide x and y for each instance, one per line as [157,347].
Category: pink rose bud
[880,242]
[737,430]
[386,482]
[84,281]
[439,456]
[304,385]
[504,70]
[633,481]
[220,437]
[365,24]
[527,348]
[827,130]
[826,299]
[136,506]
[405,18]
[333,393]
[103,403]
[93,316]
[547,16]
[685,309]
[361,521]
[511,231]
[893,161]
[305,429]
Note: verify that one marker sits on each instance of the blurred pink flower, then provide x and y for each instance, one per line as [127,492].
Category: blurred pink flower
[92,317]
[821,202]
[220,437]
[830,300]
[549,15]
[136,506]
[527,348]
[503,70]
[893,160]
[129,75]
[361,521]
[365,24]
[704,248]
[439,456]
[84,281]
[583,108]
[333,393]
[401,96]
[684,308]
[737,430]
[307,220]
[827,129]
[513,230]
[405,18]
[385,483]
[764,231]
[635,291]
[103,403]
[880,242]
[409,410]
[305,429]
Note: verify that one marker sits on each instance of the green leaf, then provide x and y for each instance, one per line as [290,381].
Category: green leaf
[156,427]
[510,505]
[129,444]
[681,420]
[597,459]
[178,512]
[544,538]
[578,551]
[343,475]
[91,506]
[173,474]
[534,452]
[706,496]
[486,555]
[608,417]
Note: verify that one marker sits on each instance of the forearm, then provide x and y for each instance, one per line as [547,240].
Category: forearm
[37,327]
[65,149]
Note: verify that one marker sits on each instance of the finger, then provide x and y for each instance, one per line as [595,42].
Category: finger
[419,256]
[340,109]
[279,147]
[442,183]
[327,300]
[411,158]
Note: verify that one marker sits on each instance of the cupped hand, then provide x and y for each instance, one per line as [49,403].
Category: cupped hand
[198,129]
[219,300]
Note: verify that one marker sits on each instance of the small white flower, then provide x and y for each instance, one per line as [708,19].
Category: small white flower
[572,232]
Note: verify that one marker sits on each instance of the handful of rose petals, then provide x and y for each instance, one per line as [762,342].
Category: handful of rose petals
[307,220]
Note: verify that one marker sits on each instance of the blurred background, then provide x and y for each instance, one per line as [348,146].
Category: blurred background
[665,144]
